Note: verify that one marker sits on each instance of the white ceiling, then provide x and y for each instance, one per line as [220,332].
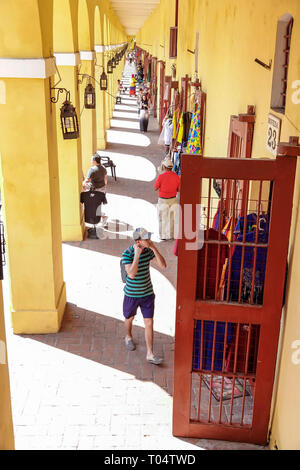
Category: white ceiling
[133,13]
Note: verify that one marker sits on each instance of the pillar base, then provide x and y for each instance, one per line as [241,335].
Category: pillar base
[101,143]
[40,321]
[73,233]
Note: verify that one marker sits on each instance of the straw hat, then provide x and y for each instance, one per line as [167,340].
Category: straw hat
[167,163]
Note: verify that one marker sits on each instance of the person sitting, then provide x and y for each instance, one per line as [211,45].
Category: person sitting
[96,179]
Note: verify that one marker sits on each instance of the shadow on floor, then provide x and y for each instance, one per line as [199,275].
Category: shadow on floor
[101,339]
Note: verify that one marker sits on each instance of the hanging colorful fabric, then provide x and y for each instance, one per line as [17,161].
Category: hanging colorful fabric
[194,141]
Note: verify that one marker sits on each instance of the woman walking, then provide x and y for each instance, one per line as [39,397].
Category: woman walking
[144,113]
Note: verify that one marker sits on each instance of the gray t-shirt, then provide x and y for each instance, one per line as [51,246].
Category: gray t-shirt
[96,175]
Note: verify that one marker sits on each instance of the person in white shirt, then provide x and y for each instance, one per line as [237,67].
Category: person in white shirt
[168,131]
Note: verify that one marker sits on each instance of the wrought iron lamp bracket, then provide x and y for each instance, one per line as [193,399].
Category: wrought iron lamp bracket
[54,99]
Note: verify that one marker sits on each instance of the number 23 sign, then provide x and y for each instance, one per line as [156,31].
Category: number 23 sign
[274,127]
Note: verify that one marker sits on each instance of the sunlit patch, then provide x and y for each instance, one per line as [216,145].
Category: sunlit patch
[96,285]
[131,166]
[124,124]
[124,107]
[127,101]
[133,211]
[127,138]
[124,115]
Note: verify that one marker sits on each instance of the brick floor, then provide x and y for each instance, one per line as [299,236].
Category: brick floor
[81,388]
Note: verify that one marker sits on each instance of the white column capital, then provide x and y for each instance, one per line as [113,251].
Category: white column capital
[27,68]
[99,48]
[87,55]
[67,58]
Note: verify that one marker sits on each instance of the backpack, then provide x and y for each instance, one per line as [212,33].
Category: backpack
[122,268]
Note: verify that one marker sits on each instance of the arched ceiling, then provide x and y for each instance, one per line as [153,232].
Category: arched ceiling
[133,13]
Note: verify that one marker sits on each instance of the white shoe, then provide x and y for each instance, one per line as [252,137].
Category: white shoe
[104,220]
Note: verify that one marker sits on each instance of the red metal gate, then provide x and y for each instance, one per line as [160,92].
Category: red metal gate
[229,295]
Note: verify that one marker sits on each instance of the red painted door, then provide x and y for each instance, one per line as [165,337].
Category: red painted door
[229,296]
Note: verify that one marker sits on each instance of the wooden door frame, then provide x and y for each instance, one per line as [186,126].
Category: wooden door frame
[154,84]
[243,126]
[162,67]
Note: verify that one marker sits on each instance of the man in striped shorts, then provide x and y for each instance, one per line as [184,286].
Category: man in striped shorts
[139,290]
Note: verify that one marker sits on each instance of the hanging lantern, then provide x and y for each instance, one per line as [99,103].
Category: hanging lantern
[113,63]
[89,97]
[69,121]
[103,82]
[118,100]
[109,67]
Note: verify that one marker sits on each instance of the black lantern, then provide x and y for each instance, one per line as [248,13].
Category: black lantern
[118,100]
[109,67]
[113,63]
[89,97]
[117,59]
[69,121]
[103,81]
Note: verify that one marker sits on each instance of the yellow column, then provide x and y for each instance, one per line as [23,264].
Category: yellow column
[69,154]
[30,196]
[6,424]
[108,97]
[88,116]
[101,105]
[112,94]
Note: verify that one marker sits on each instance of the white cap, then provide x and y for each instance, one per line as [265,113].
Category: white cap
[141,234]
[167,162]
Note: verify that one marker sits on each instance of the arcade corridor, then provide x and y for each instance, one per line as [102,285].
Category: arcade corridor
[81,388]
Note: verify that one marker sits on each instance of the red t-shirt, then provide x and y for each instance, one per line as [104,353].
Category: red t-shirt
[168,184]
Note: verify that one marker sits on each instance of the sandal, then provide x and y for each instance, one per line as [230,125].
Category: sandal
[129,344]
[155,360]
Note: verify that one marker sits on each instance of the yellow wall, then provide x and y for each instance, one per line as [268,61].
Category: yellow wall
[6,426]
[232,33]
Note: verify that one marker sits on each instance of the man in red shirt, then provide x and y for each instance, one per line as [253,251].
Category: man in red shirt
[167,185]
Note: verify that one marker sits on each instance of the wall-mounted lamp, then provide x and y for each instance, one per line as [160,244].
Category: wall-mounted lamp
[109,67]
[103,81]
[89,97]
[68,116]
